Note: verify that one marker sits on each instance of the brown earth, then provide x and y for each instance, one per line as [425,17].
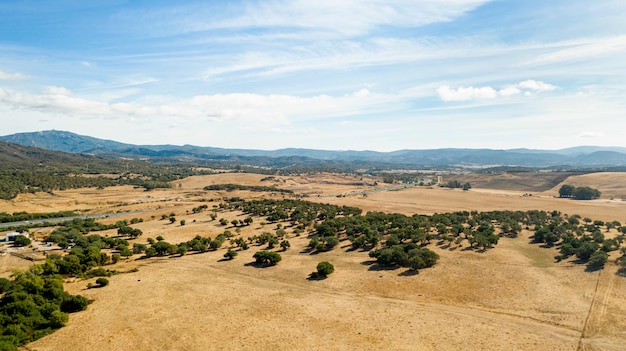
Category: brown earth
[513,297]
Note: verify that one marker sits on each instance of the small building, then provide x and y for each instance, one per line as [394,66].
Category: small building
[11,236]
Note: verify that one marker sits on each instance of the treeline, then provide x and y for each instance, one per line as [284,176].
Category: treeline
[579,193]
[259,188]
[455,184]
[25,216]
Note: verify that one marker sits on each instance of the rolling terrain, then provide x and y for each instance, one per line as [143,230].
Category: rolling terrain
[514,296]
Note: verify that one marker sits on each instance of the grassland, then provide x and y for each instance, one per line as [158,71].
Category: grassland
[514,297]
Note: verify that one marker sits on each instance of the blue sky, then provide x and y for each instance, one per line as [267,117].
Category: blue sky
[342,75]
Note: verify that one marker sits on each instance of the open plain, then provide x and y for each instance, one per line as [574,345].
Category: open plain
[512,297]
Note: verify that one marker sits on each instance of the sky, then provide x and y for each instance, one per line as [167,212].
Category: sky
[326,74]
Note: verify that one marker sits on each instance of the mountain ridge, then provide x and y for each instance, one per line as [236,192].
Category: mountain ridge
[580,156]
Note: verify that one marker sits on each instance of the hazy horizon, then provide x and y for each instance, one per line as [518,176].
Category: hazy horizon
[352,75]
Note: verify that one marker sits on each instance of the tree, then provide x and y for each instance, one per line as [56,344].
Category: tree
[566,191]
[585,193]
[116,257]
[102,282]
[285,245]
[126,252]
[21,240]
[183,222]
[223,221]
[325,268]
[230,254]
[467,186]
[598,259]
[267,258]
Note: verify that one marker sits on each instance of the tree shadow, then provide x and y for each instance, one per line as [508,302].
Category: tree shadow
[377,267]
[314,276]
[409,273]
[593,268]
[257,265]
[368,263]
[621,272]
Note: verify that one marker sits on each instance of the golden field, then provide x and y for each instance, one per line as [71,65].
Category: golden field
[512,297]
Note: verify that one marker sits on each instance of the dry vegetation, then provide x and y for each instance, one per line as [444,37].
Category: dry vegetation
[514,297]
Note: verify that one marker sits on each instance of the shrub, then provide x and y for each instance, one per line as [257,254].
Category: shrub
[102,282]
[325,268]
[230,254]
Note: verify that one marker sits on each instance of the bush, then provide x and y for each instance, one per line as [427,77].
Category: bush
[230,254]
[325,268]
[102,282]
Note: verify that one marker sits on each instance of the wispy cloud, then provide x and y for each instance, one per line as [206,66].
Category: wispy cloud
[242,107]
[12,76]
[344,18]
[582,49]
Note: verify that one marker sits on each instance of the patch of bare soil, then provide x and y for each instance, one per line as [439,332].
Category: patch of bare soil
[513,297]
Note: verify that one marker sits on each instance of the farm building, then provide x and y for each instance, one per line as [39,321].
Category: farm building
[11,236]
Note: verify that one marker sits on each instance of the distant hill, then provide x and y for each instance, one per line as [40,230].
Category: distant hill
[19,157]
[583,156]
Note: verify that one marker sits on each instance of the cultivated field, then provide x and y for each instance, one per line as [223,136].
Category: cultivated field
[512,297]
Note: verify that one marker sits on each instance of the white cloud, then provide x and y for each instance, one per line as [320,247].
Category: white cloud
[53,90]
[86,63]
[471,93]
[272,109]
[536,85]
[12,76]
[465,94]
[590,135]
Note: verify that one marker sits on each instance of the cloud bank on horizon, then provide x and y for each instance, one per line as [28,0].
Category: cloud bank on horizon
[369,74]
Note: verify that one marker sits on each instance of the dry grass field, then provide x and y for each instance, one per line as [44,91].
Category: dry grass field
[513,297]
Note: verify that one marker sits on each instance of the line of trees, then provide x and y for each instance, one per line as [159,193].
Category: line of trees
[579,193]
[259,188]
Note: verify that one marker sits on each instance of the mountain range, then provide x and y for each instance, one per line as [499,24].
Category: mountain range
[582,156]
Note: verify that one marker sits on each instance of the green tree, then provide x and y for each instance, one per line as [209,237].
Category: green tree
[230,254]
[566,191]
[585,193]
[21,240]
[325,268]
[267,258]
[102,282]
[598,259]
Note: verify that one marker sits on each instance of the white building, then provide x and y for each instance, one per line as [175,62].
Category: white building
[11,236]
